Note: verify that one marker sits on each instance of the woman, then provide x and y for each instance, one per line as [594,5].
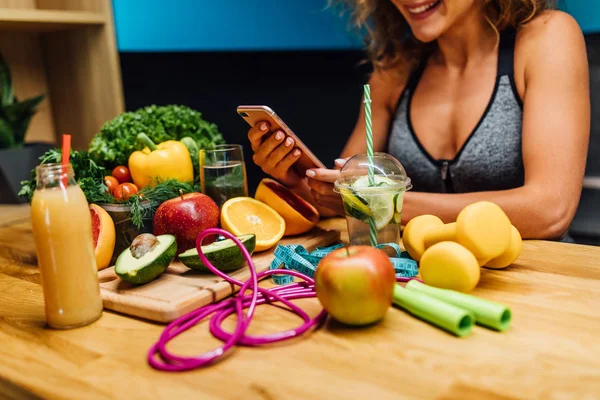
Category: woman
[478,99]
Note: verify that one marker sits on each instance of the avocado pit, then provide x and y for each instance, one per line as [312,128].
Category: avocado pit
[142,244]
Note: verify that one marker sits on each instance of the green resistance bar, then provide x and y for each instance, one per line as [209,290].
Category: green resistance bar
[444,315]
[487,313]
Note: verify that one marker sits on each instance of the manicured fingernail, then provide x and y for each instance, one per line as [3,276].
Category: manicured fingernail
[263,127]
[340,161]
[288,142]
[279,136]
[297,153]
[310,172]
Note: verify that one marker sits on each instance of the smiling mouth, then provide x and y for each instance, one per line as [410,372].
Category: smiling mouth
[423,8]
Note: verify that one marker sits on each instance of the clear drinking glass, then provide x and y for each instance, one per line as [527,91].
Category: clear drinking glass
[62,229]
[223,173]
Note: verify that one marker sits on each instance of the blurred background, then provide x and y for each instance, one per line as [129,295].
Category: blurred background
[299,57]
[96,58]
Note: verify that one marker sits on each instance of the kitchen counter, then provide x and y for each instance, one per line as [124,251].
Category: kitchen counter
[551,351]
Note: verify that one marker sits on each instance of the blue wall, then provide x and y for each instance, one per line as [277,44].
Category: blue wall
[586,12]
[229,25]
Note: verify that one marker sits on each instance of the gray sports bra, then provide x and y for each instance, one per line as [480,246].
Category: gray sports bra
[490,159]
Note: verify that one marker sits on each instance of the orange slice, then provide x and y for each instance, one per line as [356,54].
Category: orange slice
[299,215]
[244,215]
[103,233]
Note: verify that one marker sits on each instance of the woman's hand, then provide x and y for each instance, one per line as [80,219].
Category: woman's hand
[320,181]
[274,153]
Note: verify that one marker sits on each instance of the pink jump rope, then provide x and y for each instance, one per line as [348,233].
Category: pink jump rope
[168,361]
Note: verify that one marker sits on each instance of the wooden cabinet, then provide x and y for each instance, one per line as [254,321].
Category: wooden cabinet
[67,50]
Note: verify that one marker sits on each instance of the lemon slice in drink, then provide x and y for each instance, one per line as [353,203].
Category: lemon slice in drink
[381,206]
[355,206]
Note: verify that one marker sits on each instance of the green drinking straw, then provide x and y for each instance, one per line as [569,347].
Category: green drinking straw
[369,128]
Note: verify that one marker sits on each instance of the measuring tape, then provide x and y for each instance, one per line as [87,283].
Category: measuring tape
[296,258]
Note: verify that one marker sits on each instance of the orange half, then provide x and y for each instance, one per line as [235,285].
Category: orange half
[103,233]
[300,216]
[244,215]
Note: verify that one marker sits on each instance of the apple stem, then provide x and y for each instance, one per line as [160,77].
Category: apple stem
[347,251]
[181,194]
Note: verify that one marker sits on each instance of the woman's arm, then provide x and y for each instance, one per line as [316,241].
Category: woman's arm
[556,128]
[385,89]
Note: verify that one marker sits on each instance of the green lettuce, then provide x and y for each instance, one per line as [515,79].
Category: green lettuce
[117,138]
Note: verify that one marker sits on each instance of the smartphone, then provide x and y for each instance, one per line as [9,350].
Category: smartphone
[255,114]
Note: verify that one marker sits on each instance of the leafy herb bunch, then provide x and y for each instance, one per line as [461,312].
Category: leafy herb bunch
[88,174]
[90,177]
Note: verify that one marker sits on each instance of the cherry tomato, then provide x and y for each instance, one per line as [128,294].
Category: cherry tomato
[122,174]
[111,182]
[125,191]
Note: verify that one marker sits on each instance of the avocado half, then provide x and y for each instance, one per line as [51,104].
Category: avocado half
[150,265]
[223,254]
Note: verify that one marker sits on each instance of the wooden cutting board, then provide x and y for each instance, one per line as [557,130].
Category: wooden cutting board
[180,290]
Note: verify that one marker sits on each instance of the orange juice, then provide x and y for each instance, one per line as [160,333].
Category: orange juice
[62,229]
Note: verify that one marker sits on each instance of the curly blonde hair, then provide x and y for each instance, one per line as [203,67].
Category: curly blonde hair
[388,36]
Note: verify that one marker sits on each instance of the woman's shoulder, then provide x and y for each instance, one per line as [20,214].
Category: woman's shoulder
[388,84]
[552,40]
[548,24]
[552,31]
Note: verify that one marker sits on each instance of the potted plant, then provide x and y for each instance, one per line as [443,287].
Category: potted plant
[17,158]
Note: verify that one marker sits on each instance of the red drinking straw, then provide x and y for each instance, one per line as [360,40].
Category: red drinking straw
[66,154]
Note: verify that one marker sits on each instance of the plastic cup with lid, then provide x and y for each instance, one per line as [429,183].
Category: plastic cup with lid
[372,188]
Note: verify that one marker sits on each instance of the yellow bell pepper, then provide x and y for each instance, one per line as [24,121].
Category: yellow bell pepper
[156,163]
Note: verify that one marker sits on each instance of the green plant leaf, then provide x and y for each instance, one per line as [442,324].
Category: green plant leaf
[15,116]
[18,116]
[20,129]
[23,109]
[7,139]
[5,83]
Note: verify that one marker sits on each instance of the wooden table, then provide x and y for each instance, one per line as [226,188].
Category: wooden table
[552,350]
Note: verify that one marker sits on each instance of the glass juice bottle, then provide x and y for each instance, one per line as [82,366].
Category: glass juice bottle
[62,229]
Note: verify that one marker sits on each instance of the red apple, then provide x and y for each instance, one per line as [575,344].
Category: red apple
[355,284]
[185,217]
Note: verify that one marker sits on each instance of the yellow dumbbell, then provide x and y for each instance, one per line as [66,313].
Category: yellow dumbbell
[482,227]
[510,254]
[449,265]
